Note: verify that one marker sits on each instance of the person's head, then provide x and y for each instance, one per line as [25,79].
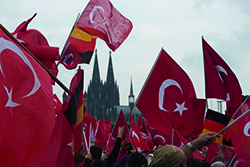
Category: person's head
[136,159]
[219,158]
[218,164]
[205,164]
[168,155]
[96,152]
[193,162]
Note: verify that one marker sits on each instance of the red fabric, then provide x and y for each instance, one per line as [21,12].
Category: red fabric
[139,123]
[57,104]
[212,151]
[27,109]
[235,162]
[166,98]
[60,153]
[101,19]
[240,137]
[135,137]
[120,122]
[102,133]
[163,136]
[38,45]
[89,123]
[220,81]
[242,109]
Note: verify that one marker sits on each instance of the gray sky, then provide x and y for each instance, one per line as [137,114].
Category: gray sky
[177,26]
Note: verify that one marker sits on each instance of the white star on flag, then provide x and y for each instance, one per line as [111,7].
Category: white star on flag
[10,103]
[180,108]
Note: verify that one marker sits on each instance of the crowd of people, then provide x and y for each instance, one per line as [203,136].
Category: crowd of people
[163,156]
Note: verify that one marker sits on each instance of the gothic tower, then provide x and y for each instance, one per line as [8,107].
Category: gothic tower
[111,90]
[102,97]
[131,97]
[94,95]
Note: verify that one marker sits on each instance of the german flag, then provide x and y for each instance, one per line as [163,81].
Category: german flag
[215,122]
[74,112]
[79,49]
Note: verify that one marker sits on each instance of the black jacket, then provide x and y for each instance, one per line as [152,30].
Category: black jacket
[108,161]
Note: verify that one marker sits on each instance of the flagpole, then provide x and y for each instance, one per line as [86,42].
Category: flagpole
[232,122]
[67,40]
[172,141]
[129,114]
[21,45]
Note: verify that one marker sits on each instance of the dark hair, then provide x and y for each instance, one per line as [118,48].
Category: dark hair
[218,158]
[193,162]
[136,159]
[96,152]
[205,164]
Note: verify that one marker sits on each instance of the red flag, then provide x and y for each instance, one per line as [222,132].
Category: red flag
[163,136]
[220,81]
[242,109]
[38,45]
[120,122]
[27,109]
[166,98]
[79,49]
[57,104]
[139,123]
[103,131]
[235,162]
[102,20]
[135,137]
[240,136]
[89,124]
[60,152]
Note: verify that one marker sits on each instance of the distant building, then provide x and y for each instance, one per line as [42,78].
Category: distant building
[103,98]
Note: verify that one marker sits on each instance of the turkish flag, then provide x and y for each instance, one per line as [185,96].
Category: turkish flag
[135,137]
[60,150]
[27,109]
[89,128]
[103,131]
[168,97]
[163,136]
[240,136]
[220,81]
[120,122]
[38,45]
[57,104]
[235,162]
[101,19]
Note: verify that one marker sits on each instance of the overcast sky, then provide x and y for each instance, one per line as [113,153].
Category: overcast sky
[177,26]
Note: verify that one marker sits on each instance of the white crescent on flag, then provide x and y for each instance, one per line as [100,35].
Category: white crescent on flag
[6,44]
[92,13]
[164,85]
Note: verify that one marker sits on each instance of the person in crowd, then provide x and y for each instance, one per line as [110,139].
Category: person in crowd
[204,163]
[95,153]
[218,164]
[220,158]
[136,159]
[79,156]
[193,162]
[169,155]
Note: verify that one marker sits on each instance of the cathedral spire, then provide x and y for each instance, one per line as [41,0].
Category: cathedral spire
[110,73]
[131,97]
[96,73]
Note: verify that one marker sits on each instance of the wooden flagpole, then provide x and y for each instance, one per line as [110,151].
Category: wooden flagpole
[17,42]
